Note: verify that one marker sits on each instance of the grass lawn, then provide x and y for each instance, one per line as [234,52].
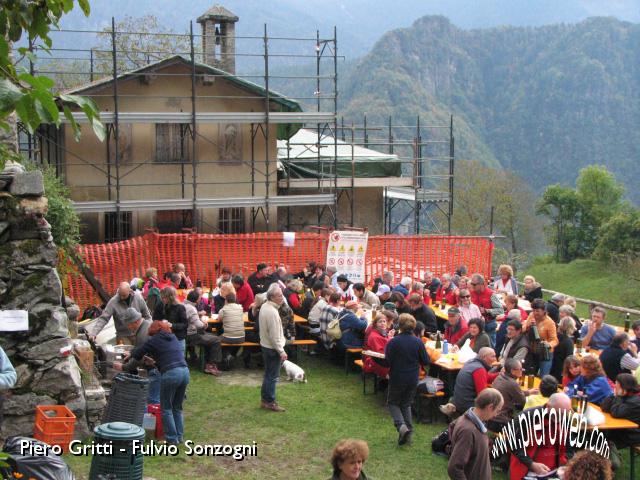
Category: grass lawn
[587,279]
[294,444]
[297,443]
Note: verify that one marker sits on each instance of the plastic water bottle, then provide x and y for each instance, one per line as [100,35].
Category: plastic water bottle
[445,347]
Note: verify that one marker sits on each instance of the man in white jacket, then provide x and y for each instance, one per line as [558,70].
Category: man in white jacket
[272,342]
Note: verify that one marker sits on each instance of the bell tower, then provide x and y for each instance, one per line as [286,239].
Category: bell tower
[218,38]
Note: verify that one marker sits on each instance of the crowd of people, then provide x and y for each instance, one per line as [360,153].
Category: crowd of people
[394,320]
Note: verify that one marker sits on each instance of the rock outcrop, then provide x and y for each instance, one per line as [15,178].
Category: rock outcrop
[47,374]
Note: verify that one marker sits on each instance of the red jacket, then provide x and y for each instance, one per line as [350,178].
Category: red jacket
[454,336]
[244,296]
[553,456]
[376,342]
[450,295]
[483,300]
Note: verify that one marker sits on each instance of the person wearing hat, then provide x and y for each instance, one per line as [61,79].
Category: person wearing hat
[261,279]
[139,328]
[553,306]
[625,404]
[352,327]
[384,293]
[456,327]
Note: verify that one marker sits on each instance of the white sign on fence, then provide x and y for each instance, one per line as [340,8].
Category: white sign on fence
[346,251]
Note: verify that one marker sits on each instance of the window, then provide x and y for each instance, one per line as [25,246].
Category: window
[111,232]
[173,143]
[231,220]
[174,221]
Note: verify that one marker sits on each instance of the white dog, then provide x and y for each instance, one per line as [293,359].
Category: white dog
[294,372]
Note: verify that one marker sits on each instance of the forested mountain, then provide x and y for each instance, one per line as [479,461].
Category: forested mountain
[360,23]
[543,101]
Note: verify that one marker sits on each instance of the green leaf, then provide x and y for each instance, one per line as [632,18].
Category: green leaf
[23,114]
[39,82]
[84,5]
[72,121]
[4,50]
[98,129]
[10,94]
[45,100]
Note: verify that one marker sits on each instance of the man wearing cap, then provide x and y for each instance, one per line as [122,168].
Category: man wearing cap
[553,306]
[384,293]
[260,280]
[116,307]
[351,326]
[456,326]
[139,329]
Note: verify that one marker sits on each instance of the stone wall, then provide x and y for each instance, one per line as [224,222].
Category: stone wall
[29,281]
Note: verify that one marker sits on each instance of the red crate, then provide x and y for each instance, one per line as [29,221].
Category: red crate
[155,409]
[54,429]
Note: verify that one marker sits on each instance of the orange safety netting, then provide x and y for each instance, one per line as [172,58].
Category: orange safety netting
[204,255]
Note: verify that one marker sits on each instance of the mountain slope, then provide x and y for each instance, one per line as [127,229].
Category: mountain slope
[544,101]
[360,22]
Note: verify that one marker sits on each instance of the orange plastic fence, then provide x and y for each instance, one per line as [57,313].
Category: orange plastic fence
[204,255]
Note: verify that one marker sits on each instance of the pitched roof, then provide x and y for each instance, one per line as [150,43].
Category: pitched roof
[218,12]
[286,104]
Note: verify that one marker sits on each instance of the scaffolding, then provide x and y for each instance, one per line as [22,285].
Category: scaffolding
[417,200]
[268,61]
[420,200]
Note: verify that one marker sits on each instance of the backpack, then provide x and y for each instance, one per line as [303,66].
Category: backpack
[333,329]
[441,443]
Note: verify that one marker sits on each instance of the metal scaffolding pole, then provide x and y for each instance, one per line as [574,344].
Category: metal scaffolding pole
[194,163]
[267,129]
[116,127]
[317,93]
[335,126]
[451,173]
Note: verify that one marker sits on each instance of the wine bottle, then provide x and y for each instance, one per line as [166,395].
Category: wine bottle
[627,323]
[438,341]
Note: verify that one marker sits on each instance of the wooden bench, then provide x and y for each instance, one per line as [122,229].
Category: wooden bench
[350,352]
[360,363]
[201,352]
[432,401]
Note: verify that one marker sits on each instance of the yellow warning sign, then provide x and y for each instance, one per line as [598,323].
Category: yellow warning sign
[360,249]
[342,248]
[351,249]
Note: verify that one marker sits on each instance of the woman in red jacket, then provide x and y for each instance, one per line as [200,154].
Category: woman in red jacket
[448,290]
[376,339]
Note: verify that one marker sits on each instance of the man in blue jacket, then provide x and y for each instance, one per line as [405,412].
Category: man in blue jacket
[404,354]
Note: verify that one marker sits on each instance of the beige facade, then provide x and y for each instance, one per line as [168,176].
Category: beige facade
[368,211]
[223,151]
